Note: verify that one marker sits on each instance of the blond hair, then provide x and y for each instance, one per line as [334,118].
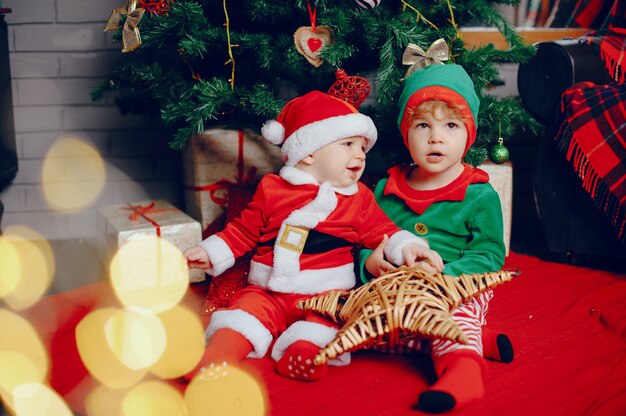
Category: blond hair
[434,107]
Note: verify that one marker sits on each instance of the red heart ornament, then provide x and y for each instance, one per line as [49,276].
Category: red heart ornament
[314,44]
[310,43]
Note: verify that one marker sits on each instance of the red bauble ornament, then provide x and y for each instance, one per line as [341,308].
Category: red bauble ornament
[350,88]
[155,6]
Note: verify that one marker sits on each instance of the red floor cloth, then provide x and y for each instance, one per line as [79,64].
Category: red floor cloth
[567,324]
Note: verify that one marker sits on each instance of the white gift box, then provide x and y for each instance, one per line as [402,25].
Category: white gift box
[501,178]
[122,223]
[217,158]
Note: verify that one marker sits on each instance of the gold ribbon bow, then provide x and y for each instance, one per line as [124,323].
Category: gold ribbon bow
[131,38]
[418,59]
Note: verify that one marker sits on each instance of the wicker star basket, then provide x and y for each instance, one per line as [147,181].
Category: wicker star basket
[391,311]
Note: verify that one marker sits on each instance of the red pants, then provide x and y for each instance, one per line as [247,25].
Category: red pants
[264,317]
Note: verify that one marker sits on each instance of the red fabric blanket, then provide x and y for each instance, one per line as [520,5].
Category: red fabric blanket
[567,324]
[593,138]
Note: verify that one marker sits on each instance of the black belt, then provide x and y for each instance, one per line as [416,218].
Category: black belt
[317,243]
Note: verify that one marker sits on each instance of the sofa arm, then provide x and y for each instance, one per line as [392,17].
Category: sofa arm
[557,66]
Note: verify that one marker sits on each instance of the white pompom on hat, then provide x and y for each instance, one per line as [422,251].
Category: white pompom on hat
[309,122]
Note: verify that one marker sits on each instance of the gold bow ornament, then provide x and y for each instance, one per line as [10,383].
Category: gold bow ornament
[418,59]
[131,38]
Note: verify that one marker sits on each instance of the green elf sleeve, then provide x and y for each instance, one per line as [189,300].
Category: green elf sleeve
[485,251]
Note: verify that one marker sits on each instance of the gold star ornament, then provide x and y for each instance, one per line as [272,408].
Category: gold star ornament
[394,309]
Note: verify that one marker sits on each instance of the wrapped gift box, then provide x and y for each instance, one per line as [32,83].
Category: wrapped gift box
[218,158]
[501,178]
[122,223]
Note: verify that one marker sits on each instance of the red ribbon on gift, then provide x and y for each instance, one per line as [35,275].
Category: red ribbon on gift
[141,211]
[241,178]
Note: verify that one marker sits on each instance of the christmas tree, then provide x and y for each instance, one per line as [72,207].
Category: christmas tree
[235,63]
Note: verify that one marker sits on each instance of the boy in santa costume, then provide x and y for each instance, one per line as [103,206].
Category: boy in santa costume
[303,224]
[453,206]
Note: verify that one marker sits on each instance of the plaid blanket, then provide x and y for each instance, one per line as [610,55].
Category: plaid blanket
[593,138]
[610,16]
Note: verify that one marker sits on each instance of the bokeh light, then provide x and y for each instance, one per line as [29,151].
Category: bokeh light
[97,355]
[153,398]
[185,343]
[72,175]
[104,401]
[37,266]
[149,272]
[16,369]
[23,358]
[136,337]
[10,271]
[225,390]
[36,399]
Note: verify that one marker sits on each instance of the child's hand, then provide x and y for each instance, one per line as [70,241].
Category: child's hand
[376,263]
[412,252]
[197,258]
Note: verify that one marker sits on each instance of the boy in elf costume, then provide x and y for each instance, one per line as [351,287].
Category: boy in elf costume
[452,205]
[303,223]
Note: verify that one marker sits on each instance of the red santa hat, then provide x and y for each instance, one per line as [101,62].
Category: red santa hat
[312,121]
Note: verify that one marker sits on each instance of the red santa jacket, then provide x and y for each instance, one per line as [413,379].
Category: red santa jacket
[283,209]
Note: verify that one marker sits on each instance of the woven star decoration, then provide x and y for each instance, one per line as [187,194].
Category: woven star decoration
[395,308]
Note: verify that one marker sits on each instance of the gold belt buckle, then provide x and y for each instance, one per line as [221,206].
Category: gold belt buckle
[294,238]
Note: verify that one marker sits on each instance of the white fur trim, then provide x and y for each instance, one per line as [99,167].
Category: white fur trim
[244,323]
[287,261]
[312,332]
[313,136]
[306,282]
[297,176]
[351,189]
[273,132]
[393,249]
[220,254]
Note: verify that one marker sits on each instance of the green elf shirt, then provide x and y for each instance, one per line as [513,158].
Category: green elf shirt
[461,221]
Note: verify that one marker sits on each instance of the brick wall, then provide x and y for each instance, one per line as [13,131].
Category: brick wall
[58,52]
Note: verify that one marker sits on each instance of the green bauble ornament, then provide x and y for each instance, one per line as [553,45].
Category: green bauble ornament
[499,153]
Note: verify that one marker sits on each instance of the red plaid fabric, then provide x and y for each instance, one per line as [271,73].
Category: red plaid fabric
[611,39]
[593,138]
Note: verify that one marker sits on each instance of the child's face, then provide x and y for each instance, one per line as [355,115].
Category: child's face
[341,163]
[437,142]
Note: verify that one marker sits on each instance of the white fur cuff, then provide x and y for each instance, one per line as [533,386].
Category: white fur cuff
[221,256]
[246,324]
[312,332]
[393,249]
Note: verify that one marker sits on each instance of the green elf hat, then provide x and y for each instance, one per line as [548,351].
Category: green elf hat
[447,83]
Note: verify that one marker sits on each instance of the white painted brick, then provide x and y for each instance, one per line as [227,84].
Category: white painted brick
[86,10]
[14,198]
[121,192]
[29,11]
[88,64]
[100,117]
[62,37]
[78,263]
[34,65]
[54,91]
[35,199]
[49,224]
[36,145]
[136,168]
[29,171]
[30,119]
[11,39]
[13,91]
